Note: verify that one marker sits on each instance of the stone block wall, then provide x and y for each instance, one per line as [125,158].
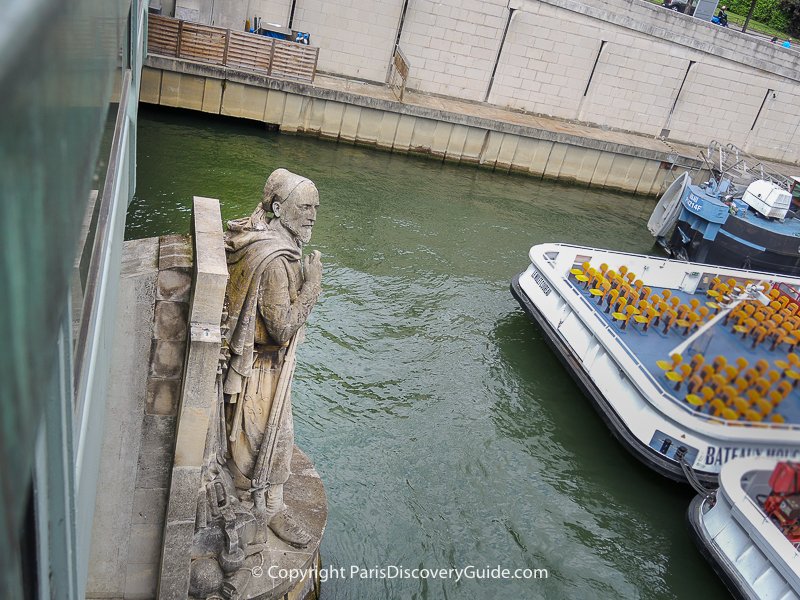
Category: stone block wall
[233,13]
[357,35]
[632,72]
[621,64]
[452,45]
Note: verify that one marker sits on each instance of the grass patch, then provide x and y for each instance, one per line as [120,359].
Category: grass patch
[736,22]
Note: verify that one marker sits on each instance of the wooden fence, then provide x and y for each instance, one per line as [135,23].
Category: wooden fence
[277,58]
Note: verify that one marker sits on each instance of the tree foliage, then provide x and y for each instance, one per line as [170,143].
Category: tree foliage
[791,8]
[768,12]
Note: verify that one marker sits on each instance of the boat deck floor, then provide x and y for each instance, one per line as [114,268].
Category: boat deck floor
[654,345]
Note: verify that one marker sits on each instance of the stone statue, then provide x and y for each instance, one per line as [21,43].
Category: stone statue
[269,298]
[271,291]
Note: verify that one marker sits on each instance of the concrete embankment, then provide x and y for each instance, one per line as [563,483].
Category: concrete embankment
[444,128]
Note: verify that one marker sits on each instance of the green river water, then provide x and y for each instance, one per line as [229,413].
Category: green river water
[445,430]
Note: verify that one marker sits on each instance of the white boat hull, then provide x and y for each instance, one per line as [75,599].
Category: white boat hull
[634,406]
[748,552]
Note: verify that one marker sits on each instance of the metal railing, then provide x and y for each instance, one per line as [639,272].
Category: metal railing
[236,49]
[398,75]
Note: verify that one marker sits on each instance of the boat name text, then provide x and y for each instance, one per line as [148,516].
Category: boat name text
[694,203]
[719,455]
[541,282]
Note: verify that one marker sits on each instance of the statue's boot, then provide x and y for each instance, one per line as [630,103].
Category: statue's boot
[281,522]
[285,527]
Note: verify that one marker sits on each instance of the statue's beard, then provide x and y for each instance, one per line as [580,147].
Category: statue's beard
[301,234]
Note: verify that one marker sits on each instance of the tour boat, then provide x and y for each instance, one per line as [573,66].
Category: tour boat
[690,365]
[748,529]
[741,216]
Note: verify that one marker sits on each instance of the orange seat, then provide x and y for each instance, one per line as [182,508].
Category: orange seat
[668,318]
[719,362]
[763,406]
[716,406]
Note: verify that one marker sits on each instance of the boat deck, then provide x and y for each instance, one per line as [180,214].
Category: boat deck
[756,384]
[789,227]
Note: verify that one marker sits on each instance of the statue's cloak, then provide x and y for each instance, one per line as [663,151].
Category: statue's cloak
[249,252]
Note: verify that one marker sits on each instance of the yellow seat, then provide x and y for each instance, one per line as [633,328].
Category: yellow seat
[679,376]
[739,405]
[746,327]
[670,365]
[793,376]
[600,291]
[782,365]
[763,406]
[761,386]
[776,418]
[645,317]
[695,400]
[695,384]
[624,315]
[730,373]
[689,322]
[784,388]
[759,335]
[729,414]
[752,415]
[697,362]
[716,406]
[753,397]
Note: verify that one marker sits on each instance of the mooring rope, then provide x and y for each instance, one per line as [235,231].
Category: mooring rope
[698,487]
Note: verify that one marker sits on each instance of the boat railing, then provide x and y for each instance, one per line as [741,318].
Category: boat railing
[734,163]
[659,385]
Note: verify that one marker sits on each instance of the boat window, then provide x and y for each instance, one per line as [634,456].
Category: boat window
[551,257]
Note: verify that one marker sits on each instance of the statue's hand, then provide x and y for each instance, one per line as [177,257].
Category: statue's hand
[312,267]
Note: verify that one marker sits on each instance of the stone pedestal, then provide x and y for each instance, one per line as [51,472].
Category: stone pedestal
[305,496]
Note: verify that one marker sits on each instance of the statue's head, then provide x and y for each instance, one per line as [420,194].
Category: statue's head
[294,201]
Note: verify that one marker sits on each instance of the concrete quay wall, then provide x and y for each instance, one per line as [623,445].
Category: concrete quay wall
[620,64]
[406,128]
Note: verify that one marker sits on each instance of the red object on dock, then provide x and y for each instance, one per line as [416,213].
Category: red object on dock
[785,478]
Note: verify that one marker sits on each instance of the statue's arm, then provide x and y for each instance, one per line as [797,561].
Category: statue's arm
[282,316]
